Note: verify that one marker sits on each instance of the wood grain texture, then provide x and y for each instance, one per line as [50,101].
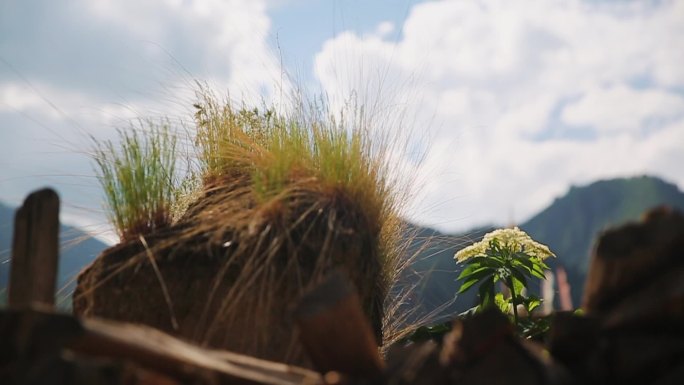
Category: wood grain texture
[35,250]
[33,335]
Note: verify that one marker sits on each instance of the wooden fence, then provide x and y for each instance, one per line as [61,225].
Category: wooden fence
[632,332]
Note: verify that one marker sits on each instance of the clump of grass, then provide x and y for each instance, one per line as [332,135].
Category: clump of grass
[284,198]
[138,176]
[310,145]
[314,187]
[225,135]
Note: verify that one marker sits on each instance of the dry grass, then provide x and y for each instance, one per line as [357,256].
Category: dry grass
[313,187]
[284,199]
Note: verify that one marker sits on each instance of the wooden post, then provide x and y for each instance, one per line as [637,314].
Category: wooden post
[35,248]
[335,331]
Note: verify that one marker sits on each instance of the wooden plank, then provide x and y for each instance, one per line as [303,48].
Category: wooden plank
[34,334]
[35,248]
[162,353]
[335,331]
[68,368]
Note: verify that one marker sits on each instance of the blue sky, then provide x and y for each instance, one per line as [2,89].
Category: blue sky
[508,103]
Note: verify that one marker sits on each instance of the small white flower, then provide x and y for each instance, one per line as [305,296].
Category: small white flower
[513,239]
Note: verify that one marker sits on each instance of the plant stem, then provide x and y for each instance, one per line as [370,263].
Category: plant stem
[513,300]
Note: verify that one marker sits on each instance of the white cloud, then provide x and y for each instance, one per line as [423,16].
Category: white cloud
[13,98]
[526,97]
[621,108]
[48,105]
[127,48]
[71,69]
[222,40]
[385,28]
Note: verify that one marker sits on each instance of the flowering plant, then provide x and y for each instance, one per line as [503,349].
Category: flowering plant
[509,256]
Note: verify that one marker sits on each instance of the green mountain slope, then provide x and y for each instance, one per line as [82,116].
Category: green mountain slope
[77,250]
[428,285]
[571,223]
[569,226]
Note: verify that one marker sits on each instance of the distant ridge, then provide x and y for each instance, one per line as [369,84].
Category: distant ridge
[572,222]
[569,226]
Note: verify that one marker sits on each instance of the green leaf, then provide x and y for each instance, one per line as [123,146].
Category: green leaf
[486,293]
[489,261]
[470,312]
[538,274]
[471,269]
[467,285]
[541,263]
[502,303]
[532,303]
[531,266]
[479,273]
[538,265]
[519,281]
[475,277]
[523,255]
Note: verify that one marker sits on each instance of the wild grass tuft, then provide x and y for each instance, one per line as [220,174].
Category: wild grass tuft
[313,170]
[308,145]
[285,197]
[225,134]
[138,176]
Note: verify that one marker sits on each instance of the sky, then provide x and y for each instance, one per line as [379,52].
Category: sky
[505,104]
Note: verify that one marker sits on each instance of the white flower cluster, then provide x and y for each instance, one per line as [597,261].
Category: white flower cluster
[513,239]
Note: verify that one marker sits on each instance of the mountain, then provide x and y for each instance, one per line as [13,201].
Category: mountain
[76,251]
[427,287]
[571,223]
[569,226]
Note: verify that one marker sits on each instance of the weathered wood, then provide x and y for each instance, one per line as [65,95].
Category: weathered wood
[34,335]
[657,305]
[598,353]
[71,369]
[634,302]
[335,332]
[416,364]
[35,250]
[631,257]
[578,343]
[484,349]
[274,368]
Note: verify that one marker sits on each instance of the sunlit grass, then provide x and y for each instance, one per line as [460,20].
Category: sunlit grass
[309,174]
[308,145]
[295,191]
[138,176]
